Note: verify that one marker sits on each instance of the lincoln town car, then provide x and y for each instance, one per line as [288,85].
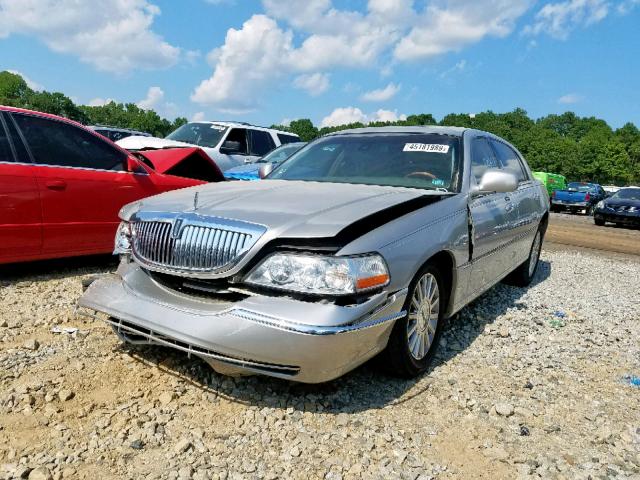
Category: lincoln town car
[360,244]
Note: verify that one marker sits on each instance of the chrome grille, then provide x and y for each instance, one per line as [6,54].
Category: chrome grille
[191,245]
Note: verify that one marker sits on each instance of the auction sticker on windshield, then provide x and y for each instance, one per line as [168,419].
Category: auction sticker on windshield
[425,147]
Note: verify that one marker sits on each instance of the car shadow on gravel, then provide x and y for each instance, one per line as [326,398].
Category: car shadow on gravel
[57,268]
[365,388]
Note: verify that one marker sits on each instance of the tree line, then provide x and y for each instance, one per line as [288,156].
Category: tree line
[580,148]
[15,92]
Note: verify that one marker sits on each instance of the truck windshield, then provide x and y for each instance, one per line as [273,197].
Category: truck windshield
[201,134]
[414,160]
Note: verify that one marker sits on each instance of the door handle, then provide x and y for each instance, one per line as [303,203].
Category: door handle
[56,184]
[507,199]
[510,207]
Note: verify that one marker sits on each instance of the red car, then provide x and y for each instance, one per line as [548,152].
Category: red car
[62,185]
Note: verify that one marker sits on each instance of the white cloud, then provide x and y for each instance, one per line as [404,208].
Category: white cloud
[347,115]
[382,94]
[33,85]
[344,116]
[452,25]
[155,95]
[386,116]
[626,6]
[198,117]
[570,98]
[460,66]
[250,59]
[314,84]
[155,101]
[100,102]
[559,19]
[111,35]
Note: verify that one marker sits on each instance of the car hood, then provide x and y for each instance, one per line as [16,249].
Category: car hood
[137,142]
[292,209]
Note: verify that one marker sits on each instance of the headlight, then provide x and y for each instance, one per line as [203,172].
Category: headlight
[320,275]
[600,204]
[123,239]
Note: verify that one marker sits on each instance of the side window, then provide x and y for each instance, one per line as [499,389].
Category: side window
[509,160]
[57,143]
[6,154]
[284,139]
[482,158]
[261,143]
[238,135]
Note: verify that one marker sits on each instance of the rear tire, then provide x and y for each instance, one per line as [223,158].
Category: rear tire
[599,222]
[414,338]
[523,274]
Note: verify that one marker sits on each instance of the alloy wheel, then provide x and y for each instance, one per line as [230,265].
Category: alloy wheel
[423,316]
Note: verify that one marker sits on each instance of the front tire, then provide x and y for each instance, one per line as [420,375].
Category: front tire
[523,275]
[414,338]
[599,222]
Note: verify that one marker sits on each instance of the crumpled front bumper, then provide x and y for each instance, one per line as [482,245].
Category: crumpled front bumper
[308,342]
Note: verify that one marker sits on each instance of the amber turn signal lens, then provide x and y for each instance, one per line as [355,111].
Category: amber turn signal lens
[370,282]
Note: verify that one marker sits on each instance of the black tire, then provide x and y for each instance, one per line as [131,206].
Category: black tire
[397,358]
[599,222]
[523,274]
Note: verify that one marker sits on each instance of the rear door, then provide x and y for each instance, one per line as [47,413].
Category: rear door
[82,183]
[20,215]
[261,144]
[492,217]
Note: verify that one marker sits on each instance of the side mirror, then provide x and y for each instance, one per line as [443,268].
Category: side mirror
[230,147]
[496,181]
[133,165]
[265,170]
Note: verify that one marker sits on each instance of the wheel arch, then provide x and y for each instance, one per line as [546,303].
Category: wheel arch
[446,264]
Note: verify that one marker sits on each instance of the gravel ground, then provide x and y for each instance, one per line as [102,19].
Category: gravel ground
[530,383]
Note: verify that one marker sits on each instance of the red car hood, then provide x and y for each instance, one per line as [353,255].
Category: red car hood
[166,159]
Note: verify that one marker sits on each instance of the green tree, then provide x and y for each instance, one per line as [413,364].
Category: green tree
[13,89]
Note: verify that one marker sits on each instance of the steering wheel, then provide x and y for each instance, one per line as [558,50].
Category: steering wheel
[421,174]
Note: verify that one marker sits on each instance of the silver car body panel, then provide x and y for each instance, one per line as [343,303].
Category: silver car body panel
[482,238]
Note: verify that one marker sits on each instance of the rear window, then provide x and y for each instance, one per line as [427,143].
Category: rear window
[284,139]
[580,187]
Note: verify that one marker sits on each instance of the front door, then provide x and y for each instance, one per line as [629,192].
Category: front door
[492,222]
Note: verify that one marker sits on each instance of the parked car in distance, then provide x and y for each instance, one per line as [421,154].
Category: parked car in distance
[610,189]
[363,242]
[116,133]
[251,171]
[622,208]
[229,144]
[551,181]
[578,196]
[62,185]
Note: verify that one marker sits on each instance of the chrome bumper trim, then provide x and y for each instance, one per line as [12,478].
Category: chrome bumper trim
[156,338]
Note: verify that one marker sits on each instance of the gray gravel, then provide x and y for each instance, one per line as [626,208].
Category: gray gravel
[529,383]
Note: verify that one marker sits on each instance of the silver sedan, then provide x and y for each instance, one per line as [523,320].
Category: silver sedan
[362,243]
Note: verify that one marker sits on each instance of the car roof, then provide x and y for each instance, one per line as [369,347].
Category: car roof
[242,125]
[115,129]
[455,131]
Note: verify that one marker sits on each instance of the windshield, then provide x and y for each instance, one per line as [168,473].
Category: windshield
[280,154]
[580,187]
[428,161]
[201,134]
[627,194]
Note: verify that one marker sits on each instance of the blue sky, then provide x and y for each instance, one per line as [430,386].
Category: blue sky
[266,61]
